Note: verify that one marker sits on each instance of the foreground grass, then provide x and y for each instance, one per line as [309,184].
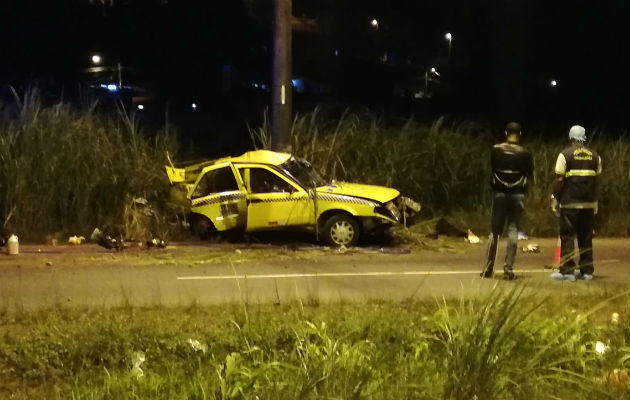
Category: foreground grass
[508,345]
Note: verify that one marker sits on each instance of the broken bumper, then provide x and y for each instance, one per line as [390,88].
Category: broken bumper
[402,210]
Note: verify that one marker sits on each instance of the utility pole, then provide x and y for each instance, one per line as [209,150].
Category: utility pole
[281,90]
[119,69]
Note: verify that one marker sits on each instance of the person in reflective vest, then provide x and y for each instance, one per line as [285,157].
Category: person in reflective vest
[574,200]
[512,165]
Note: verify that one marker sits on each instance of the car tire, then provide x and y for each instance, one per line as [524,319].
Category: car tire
[201,226]
[341,230]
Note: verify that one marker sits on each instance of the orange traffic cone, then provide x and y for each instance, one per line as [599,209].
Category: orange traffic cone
[556,258]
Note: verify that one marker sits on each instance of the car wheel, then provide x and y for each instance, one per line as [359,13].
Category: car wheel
[341,230]
[201,226]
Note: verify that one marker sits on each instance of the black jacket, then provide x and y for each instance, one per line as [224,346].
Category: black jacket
[512,165]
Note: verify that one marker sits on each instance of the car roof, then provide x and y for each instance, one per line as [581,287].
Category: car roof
[260,157]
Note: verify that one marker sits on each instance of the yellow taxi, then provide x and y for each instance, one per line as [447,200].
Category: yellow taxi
[262,190]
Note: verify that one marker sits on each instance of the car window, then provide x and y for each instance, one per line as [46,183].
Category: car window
[216,181]
[264,181]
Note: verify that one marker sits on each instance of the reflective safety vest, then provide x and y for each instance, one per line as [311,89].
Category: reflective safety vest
[582,168]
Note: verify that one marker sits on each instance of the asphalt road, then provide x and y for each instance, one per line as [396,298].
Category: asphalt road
[184,274]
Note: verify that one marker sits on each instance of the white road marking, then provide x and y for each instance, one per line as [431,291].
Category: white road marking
[339,274]
[610,261]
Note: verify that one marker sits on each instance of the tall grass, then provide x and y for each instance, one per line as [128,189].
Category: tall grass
[69,170]
[507,345]
[445,165]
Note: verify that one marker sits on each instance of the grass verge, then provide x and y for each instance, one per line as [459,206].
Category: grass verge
[67,170]
[507,345]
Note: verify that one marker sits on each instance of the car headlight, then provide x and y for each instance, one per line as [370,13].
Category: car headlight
[393,210]
[388,210]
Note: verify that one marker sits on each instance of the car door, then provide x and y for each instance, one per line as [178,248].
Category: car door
[219,195]
[274,200]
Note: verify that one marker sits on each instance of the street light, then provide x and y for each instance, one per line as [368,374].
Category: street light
[553,83]
[96,59]
[374,23]
[426,79]
[449,37]
[140,107]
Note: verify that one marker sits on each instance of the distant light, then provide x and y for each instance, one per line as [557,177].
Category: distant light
[298,84]
[336,53]
[112,88]
[374,23]
[255,85]
[448,36]
[433,70]
[96,59]
[194,106]
[140,107]
[553,83]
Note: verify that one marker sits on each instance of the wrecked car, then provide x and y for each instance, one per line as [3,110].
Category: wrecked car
[263,190]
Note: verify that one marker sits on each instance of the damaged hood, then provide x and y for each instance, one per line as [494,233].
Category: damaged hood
[379,193]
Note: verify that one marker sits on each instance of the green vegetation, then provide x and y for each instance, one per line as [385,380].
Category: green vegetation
[69,170]
[507,345]
[66,170]
[446,166]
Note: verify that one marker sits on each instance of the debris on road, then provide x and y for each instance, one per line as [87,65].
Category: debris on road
[472,238]
[531,248]
[107,242]
[157,243]
[13,245]
[76,240]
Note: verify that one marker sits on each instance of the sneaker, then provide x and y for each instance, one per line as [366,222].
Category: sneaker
[560,277]
[486,274]
[584,277]
[509,275]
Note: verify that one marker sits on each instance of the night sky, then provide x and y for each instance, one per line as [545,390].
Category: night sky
[504,54]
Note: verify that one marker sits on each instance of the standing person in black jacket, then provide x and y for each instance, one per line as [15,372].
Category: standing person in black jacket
[512,165]
[576,191]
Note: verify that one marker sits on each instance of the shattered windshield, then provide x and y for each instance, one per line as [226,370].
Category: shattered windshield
[302,171]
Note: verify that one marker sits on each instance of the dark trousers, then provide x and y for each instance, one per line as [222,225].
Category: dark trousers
[576,222]
[506,210]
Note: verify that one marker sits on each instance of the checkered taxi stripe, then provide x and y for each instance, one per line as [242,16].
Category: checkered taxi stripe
[280,199]
[345,199]
[320,197]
